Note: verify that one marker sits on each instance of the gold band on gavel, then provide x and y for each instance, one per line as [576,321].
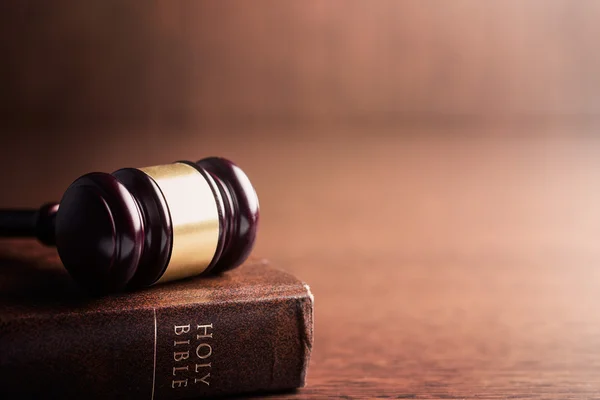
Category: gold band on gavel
[194,218]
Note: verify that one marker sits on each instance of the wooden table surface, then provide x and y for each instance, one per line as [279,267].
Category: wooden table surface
[445,263]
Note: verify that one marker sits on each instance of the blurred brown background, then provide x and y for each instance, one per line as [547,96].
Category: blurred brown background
[185,64]
[430,166]
[143,77]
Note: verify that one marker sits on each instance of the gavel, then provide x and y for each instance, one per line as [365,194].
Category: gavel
[140,226]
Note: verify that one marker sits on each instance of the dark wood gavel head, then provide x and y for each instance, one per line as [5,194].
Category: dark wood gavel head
[136,227]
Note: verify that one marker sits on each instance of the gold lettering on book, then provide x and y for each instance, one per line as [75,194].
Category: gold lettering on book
[181,329]
[203,350]
[175,369]
[205,331]
[183,347]
[181,355]
[182,383]
[204,379]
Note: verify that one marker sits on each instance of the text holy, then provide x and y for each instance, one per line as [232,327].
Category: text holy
[192,351]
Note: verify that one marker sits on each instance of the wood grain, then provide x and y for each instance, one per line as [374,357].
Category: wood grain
[454,263]
[445,266]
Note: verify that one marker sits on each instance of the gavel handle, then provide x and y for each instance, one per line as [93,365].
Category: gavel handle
[29,223]
[16,223]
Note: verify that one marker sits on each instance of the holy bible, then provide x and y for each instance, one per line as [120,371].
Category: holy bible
[247,330]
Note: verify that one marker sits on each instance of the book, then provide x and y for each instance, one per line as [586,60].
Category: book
[247,330]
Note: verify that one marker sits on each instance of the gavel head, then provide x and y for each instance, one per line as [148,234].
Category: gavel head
[137,227]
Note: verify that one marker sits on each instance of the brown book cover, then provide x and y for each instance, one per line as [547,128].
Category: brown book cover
[245,331]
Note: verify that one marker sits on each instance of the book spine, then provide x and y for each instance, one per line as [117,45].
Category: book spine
[183,351]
